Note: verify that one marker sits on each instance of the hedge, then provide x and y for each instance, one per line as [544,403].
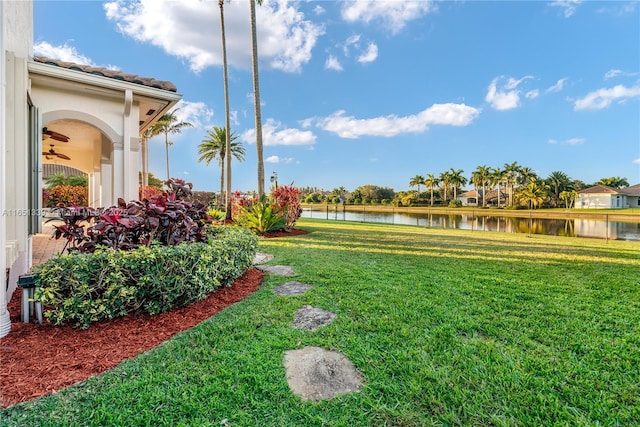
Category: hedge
[81,289]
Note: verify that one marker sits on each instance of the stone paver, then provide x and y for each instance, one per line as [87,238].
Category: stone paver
[312,318]
[292,288]
[261,258]
[314,373]
[280,270]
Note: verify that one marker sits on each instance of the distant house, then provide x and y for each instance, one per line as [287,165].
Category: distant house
[604,197]
[474,198]
[470,198]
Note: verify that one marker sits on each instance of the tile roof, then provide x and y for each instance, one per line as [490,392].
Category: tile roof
[633,190]
[113,74]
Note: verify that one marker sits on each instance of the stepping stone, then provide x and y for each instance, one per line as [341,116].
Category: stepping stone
[261,258]
[314,373]
[292,288]
[280,270]
[312,318]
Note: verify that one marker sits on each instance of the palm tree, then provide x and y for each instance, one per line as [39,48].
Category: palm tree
[227,132]
[215,146]
[445,181]
[559,182]
[256,95]
[169,124]
[496,178]
[533,193]
[482,177]
[614,182]
[527,175]
[432,182]
[569,197]
[511,175]
[144,144]
[457,180]
[416,181]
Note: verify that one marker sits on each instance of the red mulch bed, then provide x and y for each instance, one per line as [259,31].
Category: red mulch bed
[40,359]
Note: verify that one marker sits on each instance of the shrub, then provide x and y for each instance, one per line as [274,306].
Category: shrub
[164,219]
[260,216]
[68,195]
[287,202]
[148,192]
[85,288]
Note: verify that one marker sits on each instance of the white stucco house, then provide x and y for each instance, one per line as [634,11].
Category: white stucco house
[92,115]
[604,197]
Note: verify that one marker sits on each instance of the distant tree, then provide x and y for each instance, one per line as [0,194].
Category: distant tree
[497,178]
[445,181]
[372,193]
[511,177]
[215,147]
[569,198]
[457,181]
[152,180]
[614,182]
[532,194]
[417,180]
[527,175]
[169,124]
[431,181]
[481,177]
[60,178]
[558,182]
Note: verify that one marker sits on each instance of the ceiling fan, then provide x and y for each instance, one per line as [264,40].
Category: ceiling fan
[54,135]
[52,152]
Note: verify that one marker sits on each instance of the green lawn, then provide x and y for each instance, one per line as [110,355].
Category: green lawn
[448,327]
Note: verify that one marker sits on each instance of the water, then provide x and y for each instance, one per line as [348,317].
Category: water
[592,228]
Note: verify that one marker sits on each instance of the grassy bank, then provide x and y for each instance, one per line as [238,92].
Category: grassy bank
[448,328]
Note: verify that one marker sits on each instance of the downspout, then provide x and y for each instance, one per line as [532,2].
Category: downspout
[5,320]
[126,135]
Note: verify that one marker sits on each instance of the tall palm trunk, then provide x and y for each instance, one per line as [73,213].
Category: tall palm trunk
[256,96]
[222,195]
[166,150]
[227,148]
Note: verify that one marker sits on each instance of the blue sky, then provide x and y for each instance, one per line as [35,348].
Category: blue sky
[376,92]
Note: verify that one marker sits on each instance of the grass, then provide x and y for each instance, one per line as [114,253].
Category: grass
[448,327]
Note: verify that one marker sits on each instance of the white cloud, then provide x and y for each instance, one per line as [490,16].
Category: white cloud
[272,159]
[603,98]
[370,54]
[571,141]
[613,73]
[568,6]
[508,96]
[532,94]
[63,52]
[332,63]
[394,15]
[392,125]
[273,133]
[558,86]
[196,113]
[636,161]
[190,30]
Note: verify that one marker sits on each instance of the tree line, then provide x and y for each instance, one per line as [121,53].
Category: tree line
[510,186]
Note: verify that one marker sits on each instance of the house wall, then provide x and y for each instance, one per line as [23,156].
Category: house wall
[594,201]
[16,47]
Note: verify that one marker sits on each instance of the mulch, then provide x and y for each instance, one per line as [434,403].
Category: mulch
[41,359]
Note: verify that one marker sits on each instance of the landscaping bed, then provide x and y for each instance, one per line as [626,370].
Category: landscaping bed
[41,359]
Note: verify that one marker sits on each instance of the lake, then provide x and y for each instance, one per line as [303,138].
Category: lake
[591,228]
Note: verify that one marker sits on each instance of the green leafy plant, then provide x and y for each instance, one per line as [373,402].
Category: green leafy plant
[260,216]
[82,289]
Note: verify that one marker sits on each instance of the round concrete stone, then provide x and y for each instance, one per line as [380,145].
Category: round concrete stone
[280,270]
[292,288]
[261,258]
[314,373]
[312,318]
